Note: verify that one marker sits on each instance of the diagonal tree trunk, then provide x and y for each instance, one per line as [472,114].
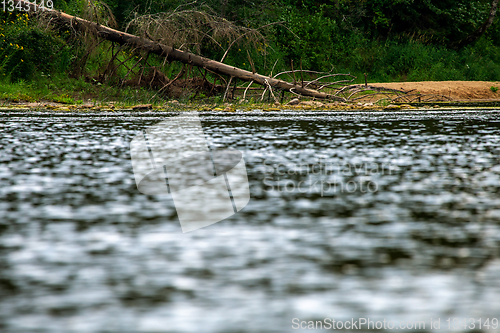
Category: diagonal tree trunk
[482,29]
[171,53]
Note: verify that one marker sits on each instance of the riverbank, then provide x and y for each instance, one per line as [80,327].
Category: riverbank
[433,93]
[465,91]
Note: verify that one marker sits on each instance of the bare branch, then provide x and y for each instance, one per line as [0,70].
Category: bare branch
[245,93]
[246,33]
[227,89]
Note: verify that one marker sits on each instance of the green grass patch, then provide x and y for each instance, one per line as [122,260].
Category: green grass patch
[62,89]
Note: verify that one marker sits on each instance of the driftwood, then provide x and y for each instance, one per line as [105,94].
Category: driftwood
[172,54]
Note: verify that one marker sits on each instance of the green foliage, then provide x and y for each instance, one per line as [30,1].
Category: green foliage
[442,21]
[415,61]
[72,7]
[26,49]
[302,40]
[391,39]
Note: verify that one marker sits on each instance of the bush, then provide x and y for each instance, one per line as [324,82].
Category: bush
[26,49]
[313,39]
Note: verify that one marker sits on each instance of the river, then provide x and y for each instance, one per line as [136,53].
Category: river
[389,216]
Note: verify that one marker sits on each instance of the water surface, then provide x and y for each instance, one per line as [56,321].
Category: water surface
[374,215]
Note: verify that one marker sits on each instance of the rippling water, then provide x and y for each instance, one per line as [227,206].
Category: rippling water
[375,215]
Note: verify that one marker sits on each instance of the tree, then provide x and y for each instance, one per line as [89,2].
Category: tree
[482,29]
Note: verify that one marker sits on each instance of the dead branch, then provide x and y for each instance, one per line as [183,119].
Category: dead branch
[165,87]
[130,70]
[270,91]
[372,95]
[197,24]
[245,93]
[327,76]
[431,98]
[251,62]
[245,34]
[227,89]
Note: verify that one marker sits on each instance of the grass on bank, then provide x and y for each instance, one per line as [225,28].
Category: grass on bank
[71,91]
[65,90]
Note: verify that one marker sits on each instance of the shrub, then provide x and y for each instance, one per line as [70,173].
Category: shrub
[26,49]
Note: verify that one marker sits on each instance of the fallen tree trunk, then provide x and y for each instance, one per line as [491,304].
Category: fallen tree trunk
[171,53]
